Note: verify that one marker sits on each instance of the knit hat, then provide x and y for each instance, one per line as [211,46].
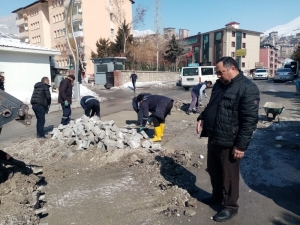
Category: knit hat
[72,77]
[140,97]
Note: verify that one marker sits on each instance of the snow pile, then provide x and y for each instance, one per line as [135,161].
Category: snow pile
[290,28]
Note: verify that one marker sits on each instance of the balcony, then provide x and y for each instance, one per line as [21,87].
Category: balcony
[76,2]
[77,17]
[24,34]
[21,22]
[78,34]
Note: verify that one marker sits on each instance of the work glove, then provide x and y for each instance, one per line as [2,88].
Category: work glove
[142,128]
[66,103]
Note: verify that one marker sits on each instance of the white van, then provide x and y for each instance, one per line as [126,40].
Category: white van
[190,76]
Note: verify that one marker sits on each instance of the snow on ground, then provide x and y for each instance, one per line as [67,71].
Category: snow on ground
[25,96]
[128,85]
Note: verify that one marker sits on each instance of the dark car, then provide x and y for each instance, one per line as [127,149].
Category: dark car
[284,74]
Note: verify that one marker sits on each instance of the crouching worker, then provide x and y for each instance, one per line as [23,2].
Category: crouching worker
[135,106]
[160,106]
[8,159]
[197,92]
[91,106]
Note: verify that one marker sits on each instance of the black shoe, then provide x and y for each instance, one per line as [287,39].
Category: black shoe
[225,214]
[188,112]
[40,136]
[211,200]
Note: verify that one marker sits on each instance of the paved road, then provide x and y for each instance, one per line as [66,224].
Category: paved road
[118,100]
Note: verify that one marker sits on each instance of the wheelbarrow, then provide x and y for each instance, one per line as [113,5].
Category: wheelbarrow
[273,108]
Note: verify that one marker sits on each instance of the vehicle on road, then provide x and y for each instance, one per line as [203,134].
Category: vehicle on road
[284,74]
[191,76]
[261,74]
[294,65]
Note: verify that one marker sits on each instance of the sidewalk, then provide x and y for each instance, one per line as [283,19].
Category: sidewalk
[56,107]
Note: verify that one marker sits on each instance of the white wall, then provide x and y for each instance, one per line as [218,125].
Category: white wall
[23,70]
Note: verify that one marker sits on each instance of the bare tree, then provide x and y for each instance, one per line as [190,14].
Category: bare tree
[117,10]
[157,30]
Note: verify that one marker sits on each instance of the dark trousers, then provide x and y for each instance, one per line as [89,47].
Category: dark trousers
[133,84]
[224,174]
[92,107]
[66,114]
[39,111]
[157,120]
[3,155]
[194,102]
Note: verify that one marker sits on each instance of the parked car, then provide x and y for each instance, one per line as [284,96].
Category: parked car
[284,74]
[261,74]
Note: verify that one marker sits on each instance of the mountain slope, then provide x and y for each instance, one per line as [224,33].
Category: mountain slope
[290,28]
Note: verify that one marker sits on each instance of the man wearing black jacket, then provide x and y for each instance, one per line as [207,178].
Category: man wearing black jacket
[133,77]
[90,105]
[41,101]
[65,98]
[228,121]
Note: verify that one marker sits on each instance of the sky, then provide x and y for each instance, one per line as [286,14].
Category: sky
[205,15]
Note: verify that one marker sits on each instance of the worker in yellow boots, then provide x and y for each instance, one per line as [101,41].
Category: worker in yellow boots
[160,106]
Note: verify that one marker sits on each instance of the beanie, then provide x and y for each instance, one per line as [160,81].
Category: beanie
[140,97]
[72,77]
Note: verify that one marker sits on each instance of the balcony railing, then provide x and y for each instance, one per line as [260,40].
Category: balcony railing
[24,34]
[76,2]
[21,22]
[77,17]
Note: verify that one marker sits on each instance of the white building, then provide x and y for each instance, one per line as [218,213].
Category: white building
[23,65]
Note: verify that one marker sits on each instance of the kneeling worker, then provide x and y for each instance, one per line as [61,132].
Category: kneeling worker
[91,106]
[161,106]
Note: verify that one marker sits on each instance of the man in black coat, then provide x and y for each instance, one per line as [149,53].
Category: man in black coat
[65,98]
[41,101]
[160,106]
[133,78]
[228,121]
[135,106]
[91,106]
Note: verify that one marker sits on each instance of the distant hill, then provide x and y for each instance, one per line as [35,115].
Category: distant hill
[8,24]
[290,28]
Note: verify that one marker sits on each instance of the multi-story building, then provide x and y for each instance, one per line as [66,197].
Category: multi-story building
[268,56]
[43,23]
[209,47]
[183,33]
[169,32]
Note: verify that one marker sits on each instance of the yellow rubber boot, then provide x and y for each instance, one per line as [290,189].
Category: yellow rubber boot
[157,134]
[162,127]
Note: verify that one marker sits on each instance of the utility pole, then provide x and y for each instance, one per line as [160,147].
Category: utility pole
[157,30]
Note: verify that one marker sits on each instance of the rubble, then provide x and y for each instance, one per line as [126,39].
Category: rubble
[86,132]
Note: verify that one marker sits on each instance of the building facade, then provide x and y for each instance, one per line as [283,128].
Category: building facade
[183,33]
[91,19]
[227,41]
[169,32]
[269,57]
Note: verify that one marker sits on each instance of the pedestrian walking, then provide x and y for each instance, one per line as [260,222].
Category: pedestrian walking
[133,78]
[65,98]
[91,106]
[228,121]
[41,101]
[160,106]
[2,79]
[197,92]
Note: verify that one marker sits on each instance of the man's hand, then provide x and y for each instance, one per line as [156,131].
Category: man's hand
[237,153]
[199,126]
[66,103]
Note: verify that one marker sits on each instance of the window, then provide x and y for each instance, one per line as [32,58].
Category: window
[233,44]
[190,72]
[57,18]
[243,56]
[244,35]
[55,34]
[111,17]
[244,45]
[54,19]
[243,64]
[232,54]
[233,34]
[207,71]
[112,33]
[38,24]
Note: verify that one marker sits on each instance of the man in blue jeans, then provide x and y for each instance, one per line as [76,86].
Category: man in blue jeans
[65,98]
[41,101]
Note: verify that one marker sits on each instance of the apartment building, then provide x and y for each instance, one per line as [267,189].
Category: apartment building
[91,20]
[209,47]
[269,57]
[169,32]
[183,33]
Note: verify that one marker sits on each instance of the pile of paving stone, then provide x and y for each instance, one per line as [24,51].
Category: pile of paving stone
[105,135]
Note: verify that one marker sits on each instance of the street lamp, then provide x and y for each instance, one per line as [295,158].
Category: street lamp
[72,43]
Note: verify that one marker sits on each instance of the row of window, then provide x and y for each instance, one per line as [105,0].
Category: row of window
[58,18]
[35,26]
[233,34]
[33,12]
[233,44]
[61,48]
[57,3]
[63,62]
[59,33]
[36,39]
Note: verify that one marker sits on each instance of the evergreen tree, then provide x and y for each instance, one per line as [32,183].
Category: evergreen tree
[174,50]
[296,54]
[103,48]
[123,40]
